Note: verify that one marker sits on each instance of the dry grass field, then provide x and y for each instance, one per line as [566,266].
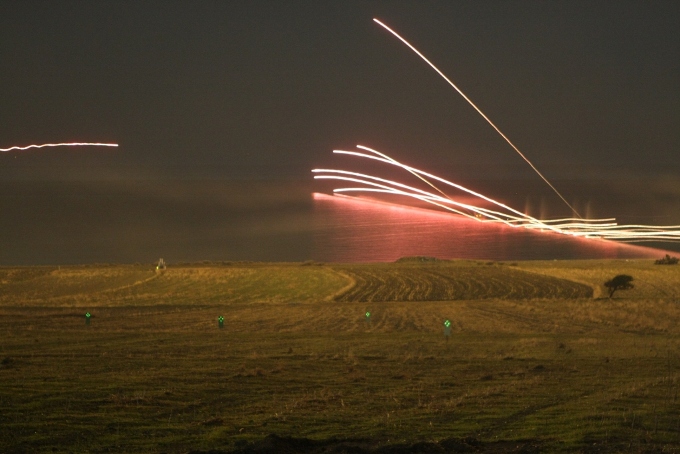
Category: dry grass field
[537,360]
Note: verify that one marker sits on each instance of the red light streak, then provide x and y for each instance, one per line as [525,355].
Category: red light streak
[71,144]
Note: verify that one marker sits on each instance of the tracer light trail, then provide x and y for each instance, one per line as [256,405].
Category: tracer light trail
[585,228]
[70,144]
[478,110]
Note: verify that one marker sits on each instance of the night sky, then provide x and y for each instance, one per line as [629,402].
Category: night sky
[236,92]
[257,89]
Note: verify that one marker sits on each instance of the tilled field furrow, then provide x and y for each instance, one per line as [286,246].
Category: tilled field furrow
[448,283]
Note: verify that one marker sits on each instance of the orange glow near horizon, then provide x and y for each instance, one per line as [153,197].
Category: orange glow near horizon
[362,229]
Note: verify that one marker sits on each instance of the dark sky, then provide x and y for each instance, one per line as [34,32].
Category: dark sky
[262,89]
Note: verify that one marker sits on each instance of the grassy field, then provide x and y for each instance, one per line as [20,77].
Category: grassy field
[537,359]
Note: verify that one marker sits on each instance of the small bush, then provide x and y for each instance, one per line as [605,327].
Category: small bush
[668,260]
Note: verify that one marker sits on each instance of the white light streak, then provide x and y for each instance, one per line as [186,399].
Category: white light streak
[479,111]
[70,144]
[585,228]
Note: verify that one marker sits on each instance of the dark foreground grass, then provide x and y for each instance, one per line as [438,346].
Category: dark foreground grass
[557,375]
[127,383]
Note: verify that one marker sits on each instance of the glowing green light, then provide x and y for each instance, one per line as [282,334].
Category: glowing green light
[87,314]
[87,318]
[368,314]
[447,323]
[220,321]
